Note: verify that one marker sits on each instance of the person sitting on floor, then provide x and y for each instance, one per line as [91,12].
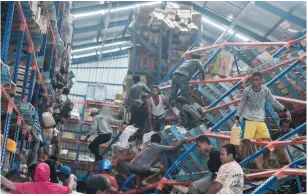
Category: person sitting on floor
[156,109]
[190,117]
[141,165]
[105,168]
[214,163]
[230,177]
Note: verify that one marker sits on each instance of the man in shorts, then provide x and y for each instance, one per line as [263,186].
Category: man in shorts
[142,164]
[252,110]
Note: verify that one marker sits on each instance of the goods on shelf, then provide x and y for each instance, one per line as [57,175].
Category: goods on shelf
[96,92]
[68,135]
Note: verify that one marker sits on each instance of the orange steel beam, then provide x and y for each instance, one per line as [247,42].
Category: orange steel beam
[94,103]
[31,48]
[228,79]
[296,172]
[279,98]
[291,100]
[269,173]
[250,44]
[238,78]
[25,128]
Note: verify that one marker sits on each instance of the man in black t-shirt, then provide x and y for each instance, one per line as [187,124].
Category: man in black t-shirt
[214,163]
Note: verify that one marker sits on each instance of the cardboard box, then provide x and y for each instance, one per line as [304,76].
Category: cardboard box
[87,116]
[72,155]
[118,102]
[63,154]
[68,135]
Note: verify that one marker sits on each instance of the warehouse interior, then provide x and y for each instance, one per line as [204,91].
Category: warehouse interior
[61,60]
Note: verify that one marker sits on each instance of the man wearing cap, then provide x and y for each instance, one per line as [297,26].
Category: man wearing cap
[101,126]
[183,75]
[63,174]
[99,184]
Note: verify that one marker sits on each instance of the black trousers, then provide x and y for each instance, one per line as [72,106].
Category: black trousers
[138,118]
[94,145]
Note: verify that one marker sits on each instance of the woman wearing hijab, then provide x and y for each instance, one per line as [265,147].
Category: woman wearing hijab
[41,184]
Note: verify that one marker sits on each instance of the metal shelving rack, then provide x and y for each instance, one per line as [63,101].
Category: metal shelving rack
[218,93]
[79,127]
[32,61]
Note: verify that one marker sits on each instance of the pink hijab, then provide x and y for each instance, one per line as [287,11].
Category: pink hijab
[41,184]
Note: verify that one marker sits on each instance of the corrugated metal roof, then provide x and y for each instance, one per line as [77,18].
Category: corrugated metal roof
[261,21]
[110,72]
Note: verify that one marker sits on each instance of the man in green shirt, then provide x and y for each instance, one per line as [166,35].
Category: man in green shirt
[137,96]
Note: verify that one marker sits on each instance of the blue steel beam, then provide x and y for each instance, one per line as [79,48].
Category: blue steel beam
[105,6]
[25,81]
[224,21]
[6,135]
[283,14]
[170,43]
[126,27]
[262,188]
[18,54]
[96,58]
[298,183]
[134,50]
[7,31]
[94,44]
[266,149]
[160,55]
[31,84]
[16,137]
[100,27]
[179,62]
[215,127]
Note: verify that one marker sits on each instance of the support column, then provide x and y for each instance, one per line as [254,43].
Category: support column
[160,55]
[7,31]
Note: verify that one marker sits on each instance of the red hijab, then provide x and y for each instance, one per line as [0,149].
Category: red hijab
[41,184]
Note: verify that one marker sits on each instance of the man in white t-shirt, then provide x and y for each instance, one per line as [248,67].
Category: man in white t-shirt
[230,177]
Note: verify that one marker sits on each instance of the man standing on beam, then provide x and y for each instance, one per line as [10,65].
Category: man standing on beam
[183,75]
[252,111]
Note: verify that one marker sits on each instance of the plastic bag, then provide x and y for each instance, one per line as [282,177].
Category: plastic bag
[235,136]
[48,120]
[123,143]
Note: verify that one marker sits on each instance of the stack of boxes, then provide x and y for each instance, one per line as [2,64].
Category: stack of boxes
[185,25]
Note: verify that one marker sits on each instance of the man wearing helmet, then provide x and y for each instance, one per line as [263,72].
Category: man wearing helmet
[101,126]
[105,168]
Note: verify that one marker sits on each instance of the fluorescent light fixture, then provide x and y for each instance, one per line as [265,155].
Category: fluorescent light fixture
[99,46]
[222,28]
[102,12]
[97,53]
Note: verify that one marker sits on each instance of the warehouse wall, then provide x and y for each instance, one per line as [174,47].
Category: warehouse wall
[109,71]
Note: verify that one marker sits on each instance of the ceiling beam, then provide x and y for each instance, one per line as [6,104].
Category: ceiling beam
[291,10]
[284,15]
[100,27]
[219,19]
[96,57]
[105,6]
[110,41]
